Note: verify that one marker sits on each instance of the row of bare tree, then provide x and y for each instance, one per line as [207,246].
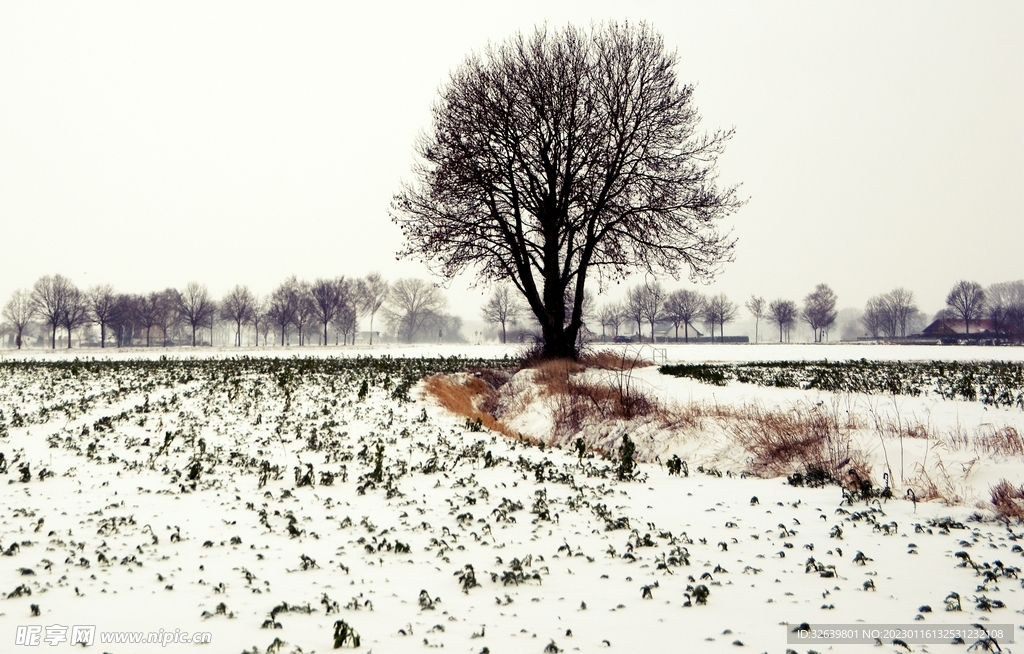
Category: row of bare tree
[649,304]
[412,308]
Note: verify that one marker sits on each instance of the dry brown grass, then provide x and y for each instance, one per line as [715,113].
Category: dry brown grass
[801,439]
[584,401]
[606,360]
[464,397]
[926,488]
[1003,441]
[554,374]
[1008,499]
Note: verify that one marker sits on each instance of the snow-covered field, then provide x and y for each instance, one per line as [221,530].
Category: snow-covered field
[263,500]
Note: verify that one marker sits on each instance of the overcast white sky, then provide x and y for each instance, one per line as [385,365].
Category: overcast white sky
[150,144]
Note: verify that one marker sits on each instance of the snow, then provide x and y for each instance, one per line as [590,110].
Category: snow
[761,588]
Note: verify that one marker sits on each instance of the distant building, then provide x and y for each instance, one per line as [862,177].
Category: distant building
[957,328]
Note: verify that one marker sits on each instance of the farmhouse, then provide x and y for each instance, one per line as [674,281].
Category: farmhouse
[956,328]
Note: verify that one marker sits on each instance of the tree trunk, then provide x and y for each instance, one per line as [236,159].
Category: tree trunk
[69,338]
[503,339]
[103,335]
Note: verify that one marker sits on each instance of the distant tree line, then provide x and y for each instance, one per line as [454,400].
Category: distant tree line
[648,309]
[297,312]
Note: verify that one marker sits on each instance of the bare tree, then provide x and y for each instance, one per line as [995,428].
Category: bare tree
[653,300]
[411,303]
[820,310]
[610,315]
[682,307]
[562,151]
[49,297]
[126,318]
[237,307]
[901,309]
[502,307]
[875,316]
[633,308]
[372,293]
[282,306]
[103,307]
[348,317]
[719,310]
[783,313]
[757,307]
[326,294]
[260,319]
[19,311]
[75,311]
[195,307]
[1005,307]
[305,309]
[263,323]
[170,316]
[966,300]
[149,310]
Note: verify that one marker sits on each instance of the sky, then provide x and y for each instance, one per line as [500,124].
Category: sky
[148,145]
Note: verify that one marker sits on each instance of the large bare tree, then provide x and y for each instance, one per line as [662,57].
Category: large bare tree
[564,155]
[682,307]
[19,311]
[502,307]
[966,300]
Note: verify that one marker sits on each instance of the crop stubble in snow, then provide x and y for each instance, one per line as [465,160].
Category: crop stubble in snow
[293,493]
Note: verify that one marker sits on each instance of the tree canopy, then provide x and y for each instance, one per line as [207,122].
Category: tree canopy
[562,153]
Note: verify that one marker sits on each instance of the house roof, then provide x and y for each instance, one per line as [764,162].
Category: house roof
[955,326]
